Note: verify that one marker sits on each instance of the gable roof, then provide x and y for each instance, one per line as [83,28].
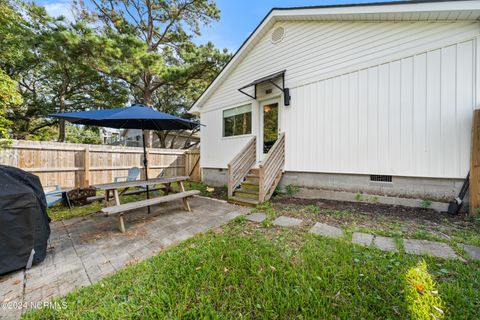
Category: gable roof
[416,10]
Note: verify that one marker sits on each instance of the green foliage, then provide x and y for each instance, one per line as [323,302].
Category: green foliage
[240,219]
[155,52]
[425,203]
[69,66]
[9,96]
[77,134]
[313,208]
[291,189]
[358,196]
[421,294]
[269,211]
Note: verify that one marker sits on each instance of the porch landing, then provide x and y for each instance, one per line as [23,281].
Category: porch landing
[86,249]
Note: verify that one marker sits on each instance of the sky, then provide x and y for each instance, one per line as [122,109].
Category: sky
[238,18]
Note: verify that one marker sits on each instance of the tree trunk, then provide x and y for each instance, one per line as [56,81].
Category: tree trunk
[162,138]
[61,123]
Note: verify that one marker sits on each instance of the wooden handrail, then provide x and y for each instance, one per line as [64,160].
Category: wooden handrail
[241,164]
[271,167]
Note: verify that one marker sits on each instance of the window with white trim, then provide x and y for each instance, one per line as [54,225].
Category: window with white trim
[237,121]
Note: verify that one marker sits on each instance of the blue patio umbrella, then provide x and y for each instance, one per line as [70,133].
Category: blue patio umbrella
[137,116]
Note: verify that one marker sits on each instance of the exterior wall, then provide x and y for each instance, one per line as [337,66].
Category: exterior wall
[408,117]
[390,98]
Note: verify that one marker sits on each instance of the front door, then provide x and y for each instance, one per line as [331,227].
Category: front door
[269,121]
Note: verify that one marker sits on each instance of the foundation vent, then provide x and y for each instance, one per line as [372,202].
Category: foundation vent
[278,34]
[380,178]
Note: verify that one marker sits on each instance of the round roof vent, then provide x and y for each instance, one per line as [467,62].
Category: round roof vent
[278,34]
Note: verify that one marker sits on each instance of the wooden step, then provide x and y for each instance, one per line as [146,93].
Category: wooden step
[249,186]
[253,179]
[243,193]
[254,172]
[243,201]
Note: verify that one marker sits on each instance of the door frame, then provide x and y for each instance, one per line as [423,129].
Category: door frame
[270,100]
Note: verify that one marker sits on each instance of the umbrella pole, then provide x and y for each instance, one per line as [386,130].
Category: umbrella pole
[145,165]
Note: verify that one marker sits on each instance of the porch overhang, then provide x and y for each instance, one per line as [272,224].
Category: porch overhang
[270,78]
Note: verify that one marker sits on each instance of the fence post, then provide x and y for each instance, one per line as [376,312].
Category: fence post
[474,187]
[147,155]
[186,167]
[86,167]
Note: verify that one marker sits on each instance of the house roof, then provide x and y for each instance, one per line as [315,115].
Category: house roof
[416,10]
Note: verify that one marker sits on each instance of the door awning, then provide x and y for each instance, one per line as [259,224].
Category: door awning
[269,78]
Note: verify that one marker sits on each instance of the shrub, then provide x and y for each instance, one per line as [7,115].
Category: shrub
[291,189]
[425,203]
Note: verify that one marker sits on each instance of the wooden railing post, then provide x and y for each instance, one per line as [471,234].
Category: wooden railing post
[86,167]
[261,183]
[229,181]
[240,165]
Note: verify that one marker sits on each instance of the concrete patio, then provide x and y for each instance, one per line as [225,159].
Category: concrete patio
[86,249]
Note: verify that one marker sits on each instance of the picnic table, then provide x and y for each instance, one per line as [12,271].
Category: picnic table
[119,208]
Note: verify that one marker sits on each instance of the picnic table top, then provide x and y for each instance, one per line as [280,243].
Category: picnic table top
[136,183]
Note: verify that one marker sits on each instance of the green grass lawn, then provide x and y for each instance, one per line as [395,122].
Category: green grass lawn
[249,271]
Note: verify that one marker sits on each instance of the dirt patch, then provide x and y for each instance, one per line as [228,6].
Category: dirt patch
[372,209]
[391,220]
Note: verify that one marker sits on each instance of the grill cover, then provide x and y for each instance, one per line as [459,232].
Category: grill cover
[24,223]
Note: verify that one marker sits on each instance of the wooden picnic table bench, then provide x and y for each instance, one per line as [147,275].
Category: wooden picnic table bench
[121,208]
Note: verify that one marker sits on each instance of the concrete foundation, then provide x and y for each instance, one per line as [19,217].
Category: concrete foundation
[214,177]
[402,190]
[405,187]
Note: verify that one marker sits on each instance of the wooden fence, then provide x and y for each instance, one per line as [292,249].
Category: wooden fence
[72,165]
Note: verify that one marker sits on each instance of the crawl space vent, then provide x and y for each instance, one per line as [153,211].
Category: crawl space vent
[379,178]
[278,34]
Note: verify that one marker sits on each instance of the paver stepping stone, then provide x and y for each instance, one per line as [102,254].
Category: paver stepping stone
[472,251]
[432,248]
[385,244]
[256,217]
[323,229]
[363,239]
[284,221]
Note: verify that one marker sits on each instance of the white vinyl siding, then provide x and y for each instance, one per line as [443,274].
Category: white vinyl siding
[393,98]
[409,117]
[313,51]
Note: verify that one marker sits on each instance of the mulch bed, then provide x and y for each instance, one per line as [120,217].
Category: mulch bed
[366,210]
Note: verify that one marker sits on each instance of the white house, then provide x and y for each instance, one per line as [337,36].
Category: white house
[376,98]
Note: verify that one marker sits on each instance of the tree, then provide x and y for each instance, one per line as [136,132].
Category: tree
[10,50]
[9,96]
[63,81]
[148,44]
[82,134]
[47,57]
